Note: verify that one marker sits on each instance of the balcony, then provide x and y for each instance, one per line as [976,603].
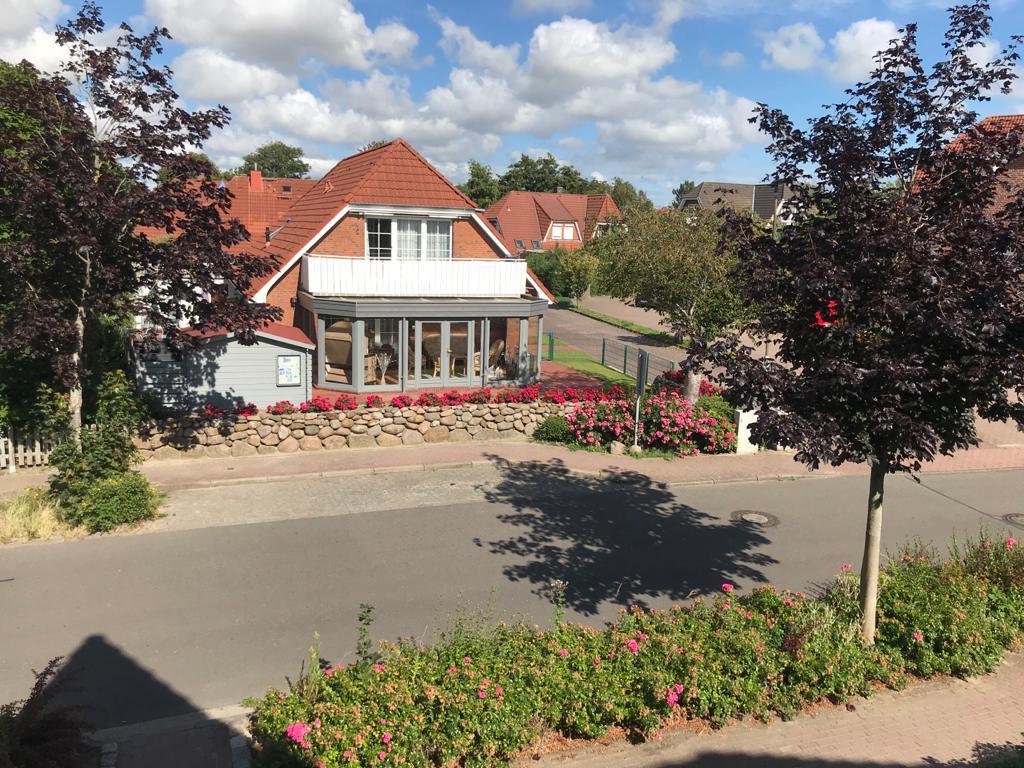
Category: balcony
[458,278]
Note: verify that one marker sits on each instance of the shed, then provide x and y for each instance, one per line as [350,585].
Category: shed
[225,373]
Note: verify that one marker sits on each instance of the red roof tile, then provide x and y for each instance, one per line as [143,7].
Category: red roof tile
[272,330]
[393,174]
[525,216]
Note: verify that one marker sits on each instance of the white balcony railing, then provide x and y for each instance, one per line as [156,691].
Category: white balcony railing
[468,278]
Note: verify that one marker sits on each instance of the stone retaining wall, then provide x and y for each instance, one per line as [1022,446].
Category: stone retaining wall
[363,427]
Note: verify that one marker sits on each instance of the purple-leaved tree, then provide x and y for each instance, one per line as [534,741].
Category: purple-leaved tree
[104,207]
[896,294]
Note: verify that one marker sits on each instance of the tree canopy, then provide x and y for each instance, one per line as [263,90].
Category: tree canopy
[898,312]
[482,186]
[81,202]
[276,160]
[685,187]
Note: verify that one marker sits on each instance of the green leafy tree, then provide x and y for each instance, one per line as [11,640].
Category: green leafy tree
[203,162]
[541,174]
[671,262]
[680,192]
[546,265]
[482,186]
[897,314]
[576,271]
[276,160]
[628,196]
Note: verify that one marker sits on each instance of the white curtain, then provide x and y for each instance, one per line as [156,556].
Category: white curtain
[439,240]
[407,239]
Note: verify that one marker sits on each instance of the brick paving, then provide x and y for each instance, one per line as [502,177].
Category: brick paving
[937,723]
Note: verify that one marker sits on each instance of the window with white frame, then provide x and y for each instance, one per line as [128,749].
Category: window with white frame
[409,239]
[563,231]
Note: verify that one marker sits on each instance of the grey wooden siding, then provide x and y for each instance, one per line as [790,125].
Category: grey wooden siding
[222,372]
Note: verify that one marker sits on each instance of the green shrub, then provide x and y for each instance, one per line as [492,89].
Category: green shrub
[103,449]
[124,499]
[554,429]
[482,694]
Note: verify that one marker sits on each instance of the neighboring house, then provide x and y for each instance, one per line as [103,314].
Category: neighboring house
[540,221]
[1014,176]
[765,200]
[395,281]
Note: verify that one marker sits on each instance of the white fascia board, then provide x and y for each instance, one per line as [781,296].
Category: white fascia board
[372,209]
[260,297]
[541,294]
[491,236]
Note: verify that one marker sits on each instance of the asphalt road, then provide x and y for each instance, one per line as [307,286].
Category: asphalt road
[156,624]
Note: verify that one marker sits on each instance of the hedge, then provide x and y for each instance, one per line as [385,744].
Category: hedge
[482,694]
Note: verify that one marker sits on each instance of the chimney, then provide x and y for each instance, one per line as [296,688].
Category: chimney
[255,181]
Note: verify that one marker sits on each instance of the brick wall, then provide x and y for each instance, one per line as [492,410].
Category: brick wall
[346,239]
[468,242]
[286,289]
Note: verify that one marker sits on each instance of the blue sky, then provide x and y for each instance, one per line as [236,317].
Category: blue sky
[652,90]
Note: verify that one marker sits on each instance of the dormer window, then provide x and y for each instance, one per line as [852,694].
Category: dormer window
[408,239]
[563,231]
[536,244]
[286,188]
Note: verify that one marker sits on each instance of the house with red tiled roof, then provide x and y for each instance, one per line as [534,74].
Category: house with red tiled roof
[396,281]
[540,221]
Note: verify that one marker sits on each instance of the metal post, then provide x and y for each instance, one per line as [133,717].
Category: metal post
[604,343]
[625,358]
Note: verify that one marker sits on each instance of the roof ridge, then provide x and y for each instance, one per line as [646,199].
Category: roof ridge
[436,172]
[374,164]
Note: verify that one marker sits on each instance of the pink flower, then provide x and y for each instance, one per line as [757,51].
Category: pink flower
[787,601]
[329,671]
[563,652]
[482,693]
[727,587]
[597,661]
[634,646]
[845,567]
[671,697]
[727,606]
[467,660]
[297,732]
[378,667]
[386,738]
[316,723]
[918,636]
[382,755]
[1010,544]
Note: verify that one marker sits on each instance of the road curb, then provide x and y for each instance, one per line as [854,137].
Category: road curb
[232,716]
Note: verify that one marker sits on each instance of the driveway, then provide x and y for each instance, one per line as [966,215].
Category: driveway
[156,624]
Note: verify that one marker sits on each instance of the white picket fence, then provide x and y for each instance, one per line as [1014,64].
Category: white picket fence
[23,449]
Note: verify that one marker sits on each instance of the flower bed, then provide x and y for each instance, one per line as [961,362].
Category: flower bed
[479,697]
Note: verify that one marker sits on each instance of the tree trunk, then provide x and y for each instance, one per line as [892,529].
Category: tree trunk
[872,553]
[75,395]
[693,380]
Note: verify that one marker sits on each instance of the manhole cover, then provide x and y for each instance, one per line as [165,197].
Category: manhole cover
[754,517]
[1015,519]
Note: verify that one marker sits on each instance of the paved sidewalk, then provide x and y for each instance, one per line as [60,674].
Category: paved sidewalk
[198,473]
[938,723]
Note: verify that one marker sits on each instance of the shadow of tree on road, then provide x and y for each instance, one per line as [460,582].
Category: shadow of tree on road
[623,540]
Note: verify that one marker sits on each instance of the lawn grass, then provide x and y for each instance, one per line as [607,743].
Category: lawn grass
[652,333]
[584,363]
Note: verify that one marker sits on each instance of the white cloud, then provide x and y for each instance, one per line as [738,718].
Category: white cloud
[570,142]
[704,166]
[985,52]
[22,17]
[731,59]
[25,33]
[854,48]
[468,50]
[285,35]
[796,46]
[557,6]
[571,53]
[210,75]
[38,46]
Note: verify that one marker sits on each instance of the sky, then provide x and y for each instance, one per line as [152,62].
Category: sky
[654,91]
